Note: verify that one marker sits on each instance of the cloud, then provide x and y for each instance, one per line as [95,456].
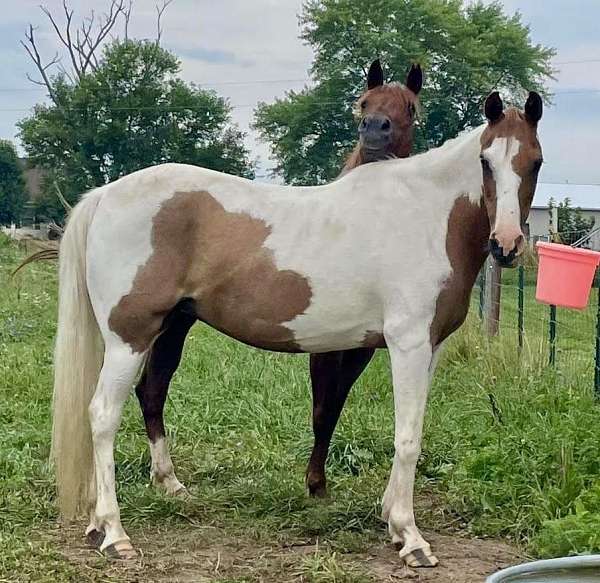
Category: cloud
[214,56]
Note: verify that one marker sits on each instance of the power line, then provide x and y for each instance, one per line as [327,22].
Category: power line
[201,84]
[577,62]
[270,81]
[552,183]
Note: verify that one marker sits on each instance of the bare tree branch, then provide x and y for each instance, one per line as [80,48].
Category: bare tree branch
[110,20]
[159,12]
[66,38]
[127,15]
[82,44]
[33,52]
[62,199]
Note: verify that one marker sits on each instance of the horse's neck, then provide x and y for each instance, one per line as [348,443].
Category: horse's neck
[454,166]
[355,159]
[401,149]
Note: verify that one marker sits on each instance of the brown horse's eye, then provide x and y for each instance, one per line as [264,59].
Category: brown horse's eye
[537,165]
[411,110]
[363,104]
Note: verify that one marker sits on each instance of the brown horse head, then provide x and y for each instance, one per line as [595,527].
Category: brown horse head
[511,157]
[387,112]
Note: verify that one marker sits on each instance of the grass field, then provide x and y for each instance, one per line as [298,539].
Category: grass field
[511,451]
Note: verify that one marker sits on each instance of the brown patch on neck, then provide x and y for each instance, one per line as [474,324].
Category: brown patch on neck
[217,262]
[466,246]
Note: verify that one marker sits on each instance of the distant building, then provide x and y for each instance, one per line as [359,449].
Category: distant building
[583,196]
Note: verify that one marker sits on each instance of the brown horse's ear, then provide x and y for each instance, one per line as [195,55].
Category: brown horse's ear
[493,107]
[375,76]
[533,107]
[414,79]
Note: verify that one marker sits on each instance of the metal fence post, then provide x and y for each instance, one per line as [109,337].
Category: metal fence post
[520,299]
[552,359]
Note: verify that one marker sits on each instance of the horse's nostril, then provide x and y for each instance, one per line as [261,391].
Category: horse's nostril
[386,125]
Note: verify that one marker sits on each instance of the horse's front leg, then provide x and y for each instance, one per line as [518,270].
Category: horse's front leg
[411,359]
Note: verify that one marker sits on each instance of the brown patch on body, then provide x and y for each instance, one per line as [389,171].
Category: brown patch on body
[216,260]
[373,339]
[466,246]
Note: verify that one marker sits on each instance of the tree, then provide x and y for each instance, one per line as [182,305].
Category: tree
[12,184]
[572,225]
[466,51]
[120,109]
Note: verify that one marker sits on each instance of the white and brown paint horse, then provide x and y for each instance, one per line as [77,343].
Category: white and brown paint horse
[385,256]
[387,115]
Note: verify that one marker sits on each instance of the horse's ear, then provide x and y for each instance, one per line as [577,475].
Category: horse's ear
[493,107]
[414,79]
[375,76]
[533,107]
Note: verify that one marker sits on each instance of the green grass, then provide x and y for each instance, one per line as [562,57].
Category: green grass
[511,447]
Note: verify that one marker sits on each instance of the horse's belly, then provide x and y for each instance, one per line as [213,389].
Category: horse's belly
[273,317]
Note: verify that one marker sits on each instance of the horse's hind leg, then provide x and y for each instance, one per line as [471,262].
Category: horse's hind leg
[332,376]
[120,367]
[152,389]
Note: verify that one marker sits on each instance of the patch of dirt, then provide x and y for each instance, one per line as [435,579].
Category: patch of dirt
[462,560]
[186,554]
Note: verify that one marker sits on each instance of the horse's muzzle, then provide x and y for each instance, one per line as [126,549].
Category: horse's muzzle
[375,133]
[503,260]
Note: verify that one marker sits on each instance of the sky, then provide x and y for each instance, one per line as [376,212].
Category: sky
[250,51]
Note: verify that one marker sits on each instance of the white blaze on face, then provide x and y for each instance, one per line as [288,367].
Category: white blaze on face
[507,227]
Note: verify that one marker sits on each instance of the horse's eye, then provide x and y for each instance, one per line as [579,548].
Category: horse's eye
[484,163]
[537,165]
[363,104]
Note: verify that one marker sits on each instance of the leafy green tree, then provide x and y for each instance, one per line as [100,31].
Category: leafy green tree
[12,184]
[467,50]
[572,225]
[129,112]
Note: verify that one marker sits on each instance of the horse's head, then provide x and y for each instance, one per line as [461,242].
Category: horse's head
[511,157]
[387,114]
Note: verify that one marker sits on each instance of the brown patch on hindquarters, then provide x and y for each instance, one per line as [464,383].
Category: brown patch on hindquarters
[217,261]
[466,246]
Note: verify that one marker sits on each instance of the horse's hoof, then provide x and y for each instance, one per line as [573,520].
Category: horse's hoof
[95,538]
[317,488]
[317,491]
[120,551]
[419,558]
[181,492]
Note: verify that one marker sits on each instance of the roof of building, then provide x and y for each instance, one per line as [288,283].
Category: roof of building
[584,196]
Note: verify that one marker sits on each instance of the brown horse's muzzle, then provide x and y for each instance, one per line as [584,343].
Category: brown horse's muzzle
[375,131]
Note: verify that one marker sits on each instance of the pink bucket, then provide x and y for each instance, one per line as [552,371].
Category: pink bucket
[565,275]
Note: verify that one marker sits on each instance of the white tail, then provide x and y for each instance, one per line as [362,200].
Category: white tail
[77,362]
